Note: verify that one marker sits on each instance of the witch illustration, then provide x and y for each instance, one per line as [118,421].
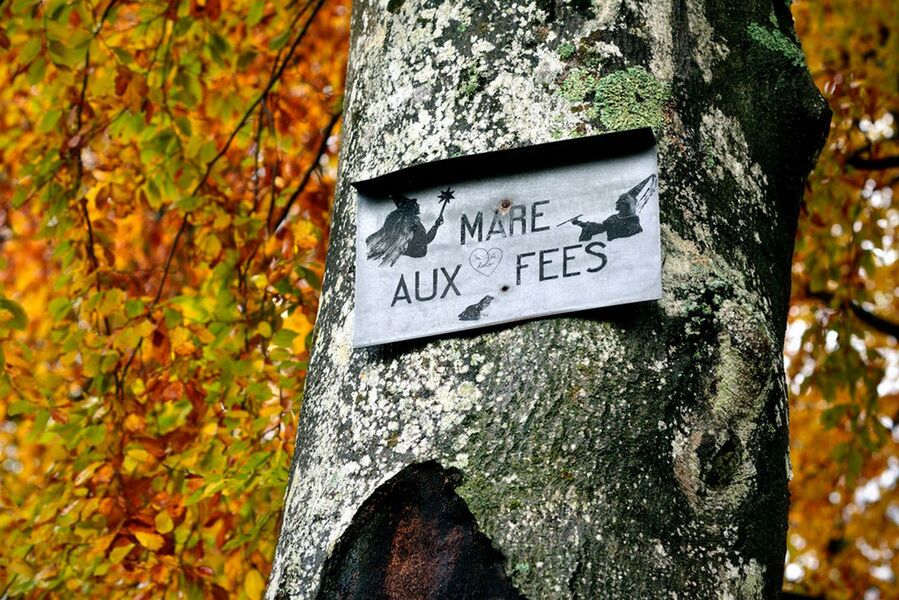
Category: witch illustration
[626,222]
[403,233]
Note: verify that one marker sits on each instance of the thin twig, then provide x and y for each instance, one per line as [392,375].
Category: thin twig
[271,228]
[322,148]
[79,164]
[257,150]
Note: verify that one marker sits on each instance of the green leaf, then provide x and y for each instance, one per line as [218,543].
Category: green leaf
[19,198]
[832,415]
[18,320]
[245,59]
[254,15]
[172,415]
[310,277]
[36,71]
[123,56]
[284,338]
[188,203]
[134,308]
[59,307]
[20,407]
[30,50]
[279,40]
[49,121]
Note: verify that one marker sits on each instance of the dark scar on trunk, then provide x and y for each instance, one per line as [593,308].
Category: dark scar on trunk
[415,539]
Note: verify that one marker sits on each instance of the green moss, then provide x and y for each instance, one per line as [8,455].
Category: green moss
[708,156]
[629,99]
[591,60]
[775,41]
[566,50]
[471,83]
[578,85]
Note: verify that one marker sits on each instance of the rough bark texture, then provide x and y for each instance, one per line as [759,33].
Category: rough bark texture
[634,452]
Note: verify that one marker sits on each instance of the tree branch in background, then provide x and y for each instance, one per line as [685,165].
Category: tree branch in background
[275,76]
[271,227]
[77,142]
[867,317]
[322,148]
[874,164]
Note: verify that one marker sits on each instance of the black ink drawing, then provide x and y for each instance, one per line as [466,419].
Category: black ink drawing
[476,311]
[485,261]
[626,222]
[403,233]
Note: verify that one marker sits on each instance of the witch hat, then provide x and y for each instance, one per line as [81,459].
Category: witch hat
[403,202]
[641,193]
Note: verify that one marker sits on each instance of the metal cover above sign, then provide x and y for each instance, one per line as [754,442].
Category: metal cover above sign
[509,235]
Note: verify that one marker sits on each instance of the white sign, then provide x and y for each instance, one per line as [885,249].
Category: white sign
[504,236]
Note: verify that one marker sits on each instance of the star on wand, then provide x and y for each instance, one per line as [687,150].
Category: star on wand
[445,197]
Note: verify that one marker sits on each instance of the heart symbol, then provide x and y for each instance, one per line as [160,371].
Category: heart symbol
[485,261]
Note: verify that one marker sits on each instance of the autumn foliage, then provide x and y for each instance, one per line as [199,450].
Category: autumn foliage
[842,358]
[166,168]
[166,173]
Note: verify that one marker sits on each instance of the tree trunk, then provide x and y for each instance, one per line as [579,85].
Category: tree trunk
[630,452]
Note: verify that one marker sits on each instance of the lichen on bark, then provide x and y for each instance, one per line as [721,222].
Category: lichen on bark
[629,99]
[638,451]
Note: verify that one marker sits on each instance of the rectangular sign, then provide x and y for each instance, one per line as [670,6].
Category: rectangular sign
[509,235]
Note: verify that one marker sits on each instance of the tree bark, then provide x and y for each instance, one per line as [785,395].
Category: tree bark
[630,452]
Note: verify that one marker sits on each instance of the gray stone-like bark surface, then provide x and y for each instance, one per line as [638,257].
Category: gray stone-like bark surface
[635,452]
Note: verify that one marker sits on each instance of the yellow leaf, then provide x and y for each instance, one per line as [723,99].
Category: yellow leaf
[138,454]
[113,300]
[91,194]
[119,553]
[259,281]
[272,409]
[164,522]
[134,423]
[222,220]
[150,541]
[85,474]
[299,324]
[211,245]
[100,544]
[138,388]
[254,585]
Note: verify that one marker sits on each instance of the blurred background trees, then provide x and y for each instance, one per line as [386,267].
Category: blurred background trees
[166,168]
[841,352]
